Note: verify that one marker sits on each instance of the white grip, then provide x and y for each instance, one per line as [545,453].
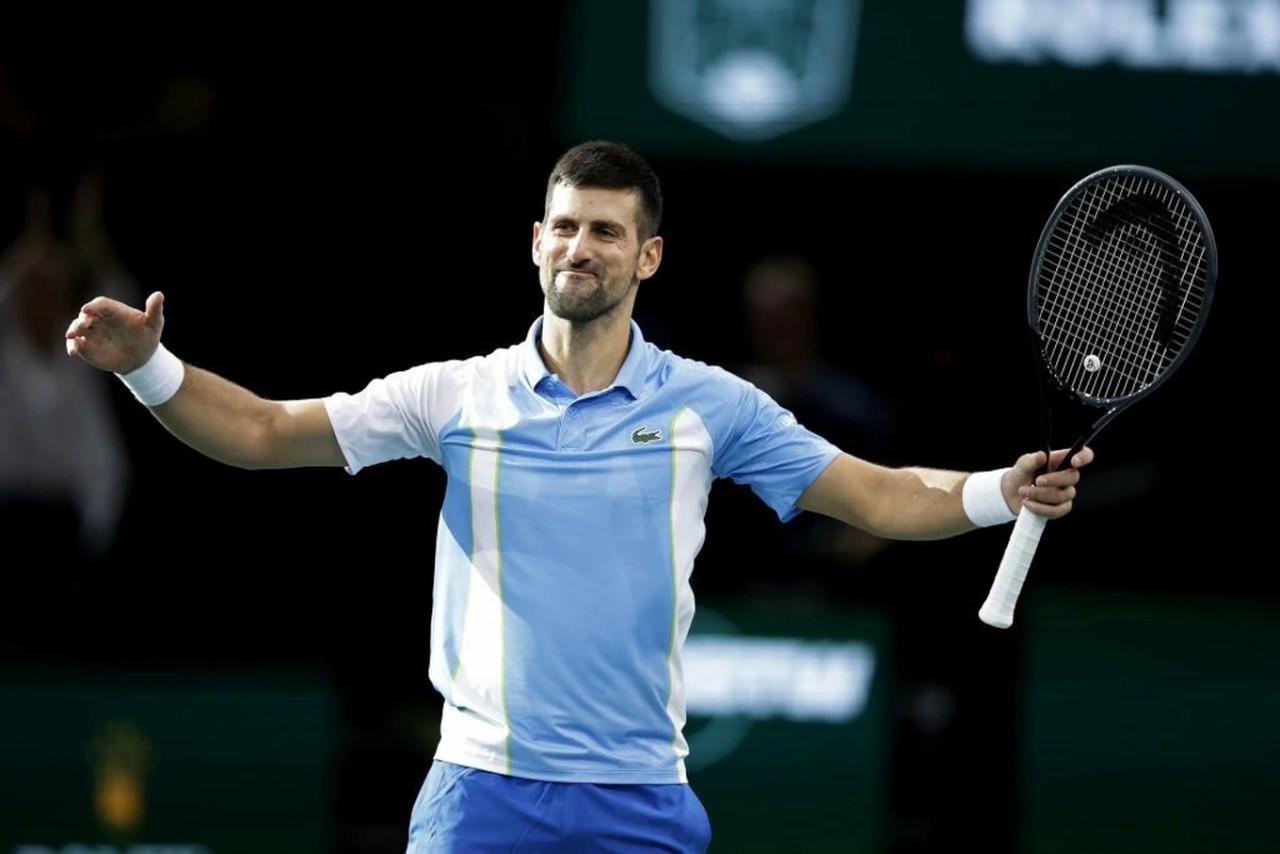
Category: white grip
[1003,597]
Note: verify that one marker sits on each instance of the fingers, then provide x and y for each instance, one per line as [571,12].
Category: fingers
[105,310]
[106,326]
[1031,463]
[1081,458]
[1051,494]
[96,309]
[81,325]
[103,307]
[1056,478]
[78,329]
[1028,464]
[1050,510]
[155,310]
[1050,491]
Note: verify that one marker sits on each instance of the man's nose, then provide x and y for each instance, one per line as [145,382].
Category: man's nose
[579,247]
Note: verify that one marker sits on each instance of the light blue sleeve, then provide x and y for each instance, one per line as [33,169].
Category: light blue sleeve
[760,444]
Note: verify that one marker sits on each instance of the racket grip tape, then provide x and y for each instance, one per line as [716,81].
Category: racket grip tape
[1002,599]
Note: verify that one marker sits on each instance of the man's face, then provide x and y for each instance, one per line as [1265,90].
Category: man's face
[589,252]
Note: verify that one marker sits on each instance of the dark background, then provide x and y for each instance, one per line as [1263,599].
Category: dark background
[326,198]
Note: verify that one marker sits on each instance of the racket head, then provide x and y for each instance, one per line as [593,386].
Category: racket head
[1121,284]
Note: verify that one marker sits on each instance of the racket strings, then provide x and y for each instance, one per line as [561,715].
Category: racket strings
[1111,323]
[1121,286]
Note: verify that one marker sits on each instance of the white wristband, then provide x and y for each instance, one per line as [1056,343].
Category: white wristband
[157,380]
[983,499]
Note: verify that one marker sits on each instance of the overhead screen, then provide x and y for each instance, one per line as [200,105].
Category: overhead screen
[1191,85]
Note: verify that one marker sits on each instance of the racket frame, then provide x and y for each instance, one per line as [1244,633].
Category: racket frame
[997,610]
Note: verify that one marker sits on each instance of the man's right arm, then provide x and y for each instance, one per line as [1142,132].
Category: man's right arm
[231,424]
[218,418]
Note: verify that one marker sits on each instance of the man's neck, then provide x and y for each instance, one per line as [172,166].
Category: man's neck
[586,357]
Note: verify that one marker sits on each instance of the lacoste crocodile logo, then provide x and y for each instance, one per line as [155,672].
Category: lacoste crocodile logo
[643,436]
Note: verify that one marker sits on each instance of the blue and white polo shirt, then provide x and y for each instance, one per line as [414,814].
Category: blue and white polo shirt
[566,541]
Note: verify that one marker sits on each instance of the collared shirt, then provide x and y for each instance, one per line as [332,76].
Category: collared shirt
[566,541]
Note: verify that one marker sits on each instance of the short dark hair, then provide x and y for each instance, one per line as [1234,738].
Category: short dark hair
[611,166]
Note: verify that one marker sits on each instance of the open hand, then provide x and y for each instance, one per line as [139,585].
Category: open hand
[113,336]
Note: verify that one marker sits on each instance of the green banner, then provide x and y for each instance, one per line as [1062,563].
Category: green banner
[789,726]
[1151,725]
[181,762]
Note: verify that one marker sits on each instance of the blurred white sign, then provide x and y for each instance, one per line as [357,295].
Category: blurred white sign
[799,680]
[1205,36]
[753,69]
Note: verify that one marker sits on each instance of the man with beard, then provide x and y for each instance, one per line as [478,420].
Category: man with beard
[579,462]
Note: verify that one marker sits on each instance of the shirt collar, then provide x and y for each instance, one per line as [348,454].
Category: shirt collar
[630,376]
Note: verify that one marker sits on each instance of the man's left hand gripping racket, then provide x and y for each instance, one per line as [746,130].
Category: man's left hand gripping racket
[1120,288]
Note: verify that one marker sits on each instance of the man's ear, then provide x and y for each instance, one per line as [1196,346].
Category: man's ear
[536,247]
[650,258]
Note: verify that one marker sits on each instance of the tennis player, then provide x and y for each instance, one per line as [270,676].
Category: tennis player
[579,464]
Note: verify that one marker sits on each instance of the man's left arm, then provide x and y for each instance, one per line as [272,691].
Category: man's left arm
[917,503]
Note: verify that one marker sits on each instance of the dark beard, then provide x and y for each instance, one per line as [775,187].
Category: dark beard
[582,311]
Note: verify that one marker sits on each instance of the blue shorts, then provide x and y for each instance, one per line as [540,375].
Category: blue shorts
[466,811]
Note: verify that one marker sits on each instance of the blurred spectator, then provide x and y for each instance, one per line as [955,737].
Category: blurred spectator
[781,308]
[64,467]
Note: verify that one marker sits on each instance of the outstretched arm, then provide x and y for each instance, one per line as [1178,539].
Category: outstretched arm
[915,503]
[213,415]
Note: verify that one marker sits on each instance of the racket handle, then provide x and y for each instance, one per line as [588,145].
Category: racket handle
[1003,597]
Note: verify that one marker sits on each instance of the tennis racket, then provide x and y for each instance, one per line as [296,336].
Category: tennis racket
[1120,287]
